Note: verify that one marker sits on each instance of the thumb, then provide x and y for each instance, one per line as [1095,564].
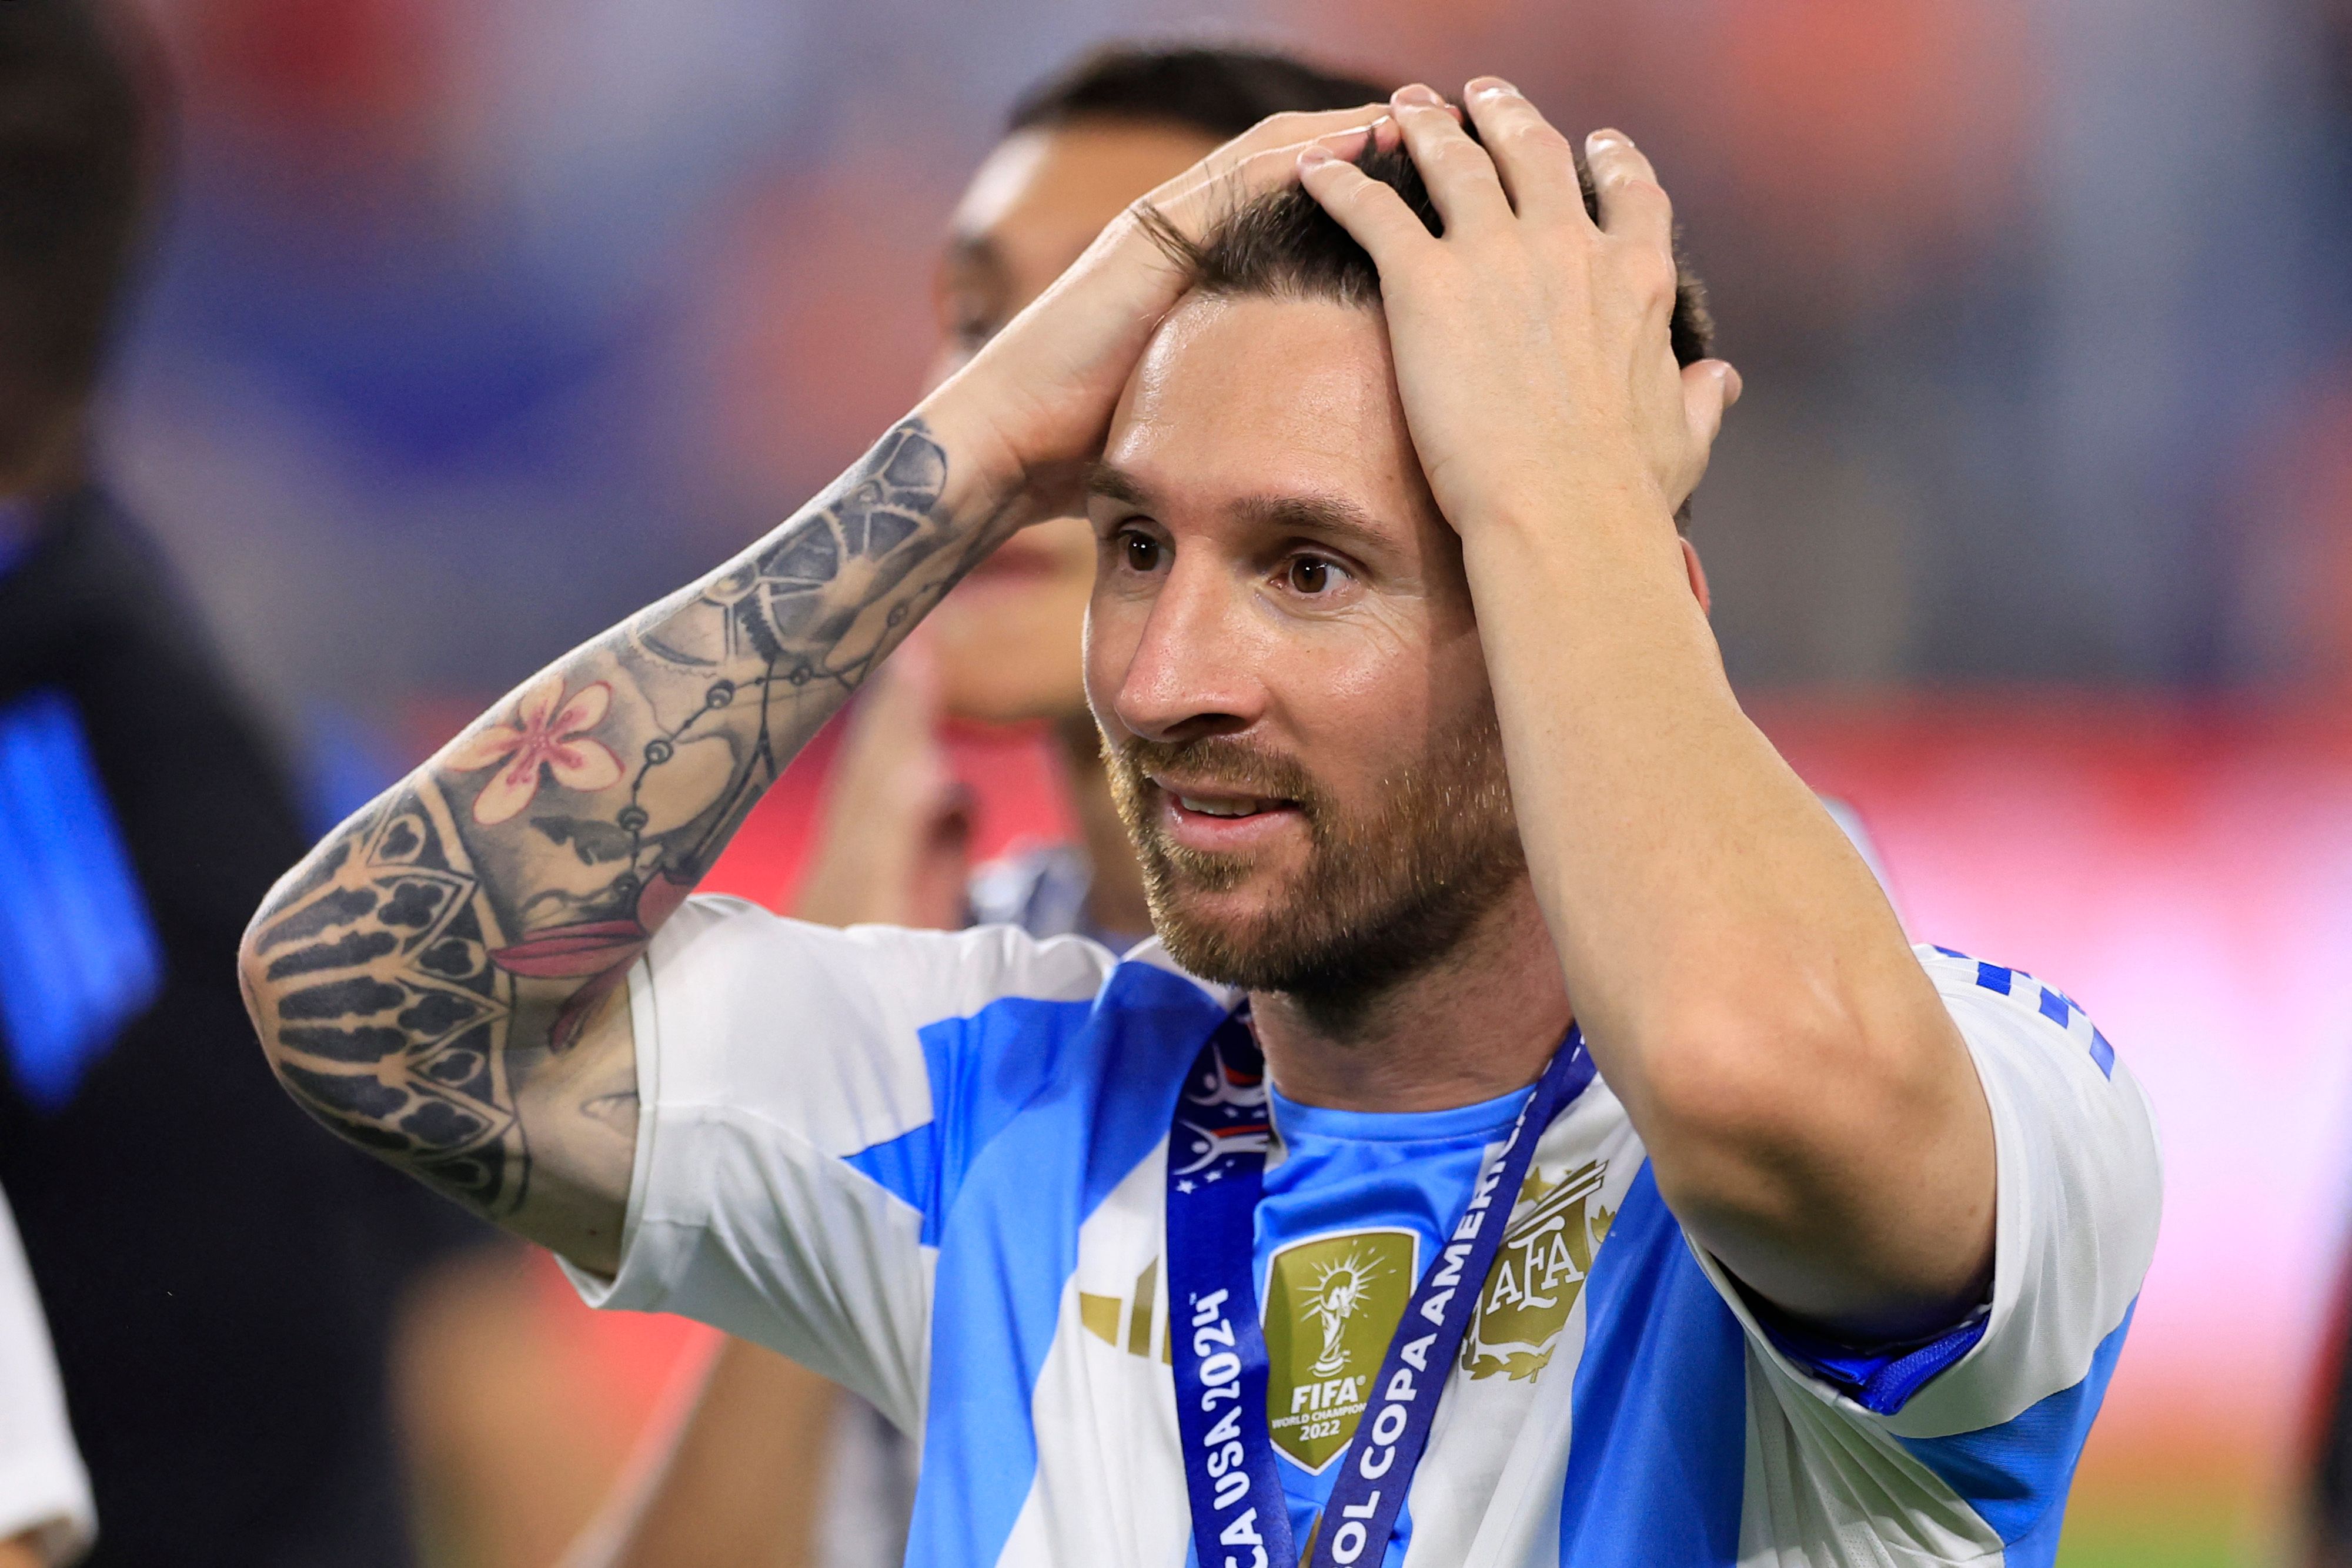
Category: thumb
[1709,387]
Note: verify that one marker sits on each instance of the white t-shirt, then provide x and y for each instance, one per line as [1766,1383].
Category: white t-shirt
[930,1166]
[43,1487]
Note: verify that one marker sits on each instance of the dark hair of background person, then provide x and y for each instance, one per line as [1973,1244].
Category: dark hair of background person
[1283,245]
[1221,90]
[80,136]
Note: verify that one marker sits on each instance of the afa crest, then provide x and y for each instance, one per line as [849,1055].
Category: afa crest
[1537,1276]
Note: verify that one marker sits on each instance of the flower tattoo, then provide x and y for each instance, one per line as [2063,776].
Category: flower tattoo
[551,734]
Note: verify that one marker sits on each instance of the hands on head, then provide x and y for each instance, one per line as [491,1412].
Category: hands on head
[1531,339]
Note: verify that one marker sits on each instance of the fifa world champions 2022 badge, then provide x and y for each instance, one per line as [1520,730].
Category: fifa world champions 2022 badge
[1332,1304]
[1336,1312]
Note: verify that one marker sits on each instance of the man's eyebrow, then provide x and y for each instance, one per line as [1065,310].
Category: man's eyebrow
[978,253]
[1326,516]
[1116,484]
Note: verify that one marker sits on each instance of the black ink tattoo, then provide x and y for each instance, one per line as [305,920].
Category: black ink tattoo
[423,964]
[390,1019]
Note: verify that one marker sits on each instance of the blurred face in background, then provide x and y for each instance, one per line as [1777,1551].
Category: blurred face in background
[1008,638]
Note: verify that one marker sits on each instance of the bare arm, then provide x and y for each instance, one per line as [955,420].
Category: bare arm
[1810,1109]
[439,981]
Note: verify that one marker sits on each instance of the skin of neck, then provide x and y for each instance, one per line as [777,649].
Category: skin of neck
[1475,1022]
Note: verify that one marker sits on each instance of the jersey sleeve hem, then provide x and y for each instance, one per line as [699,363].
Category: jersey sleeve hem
[2077,1178]
[1880,1378]
[636,1285]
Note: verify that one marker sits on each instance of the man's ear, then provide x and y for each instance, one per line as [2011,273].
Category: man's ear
[1697,575]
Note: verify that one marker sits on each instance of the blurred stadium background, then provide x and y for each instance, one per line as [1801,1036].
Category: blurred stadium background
[2032,536]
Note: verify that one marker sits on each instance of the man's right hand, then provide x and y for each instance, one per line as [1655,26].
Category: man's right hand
[1035,404]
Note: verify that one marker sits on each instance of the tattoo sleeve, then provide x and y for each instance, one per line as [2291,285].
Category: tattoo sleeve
[422,980]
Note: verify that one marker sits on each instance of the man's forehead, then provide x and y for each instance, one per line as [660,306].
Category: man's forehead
[1243,398]
[1003,178]
[1067,180]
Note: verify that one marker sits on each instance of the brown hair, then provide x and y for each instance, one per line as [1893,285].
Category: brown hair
[1286,246]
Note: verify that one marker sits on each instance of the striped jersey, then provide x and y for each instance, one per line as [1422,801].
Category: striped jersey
[931,1167]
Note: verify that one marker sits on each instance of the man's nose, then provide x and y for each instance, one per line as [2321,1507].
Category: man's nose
[1192,672]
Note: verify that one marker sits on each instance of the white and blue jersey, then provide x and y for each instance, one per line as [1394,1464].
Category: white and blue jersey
[933,1167]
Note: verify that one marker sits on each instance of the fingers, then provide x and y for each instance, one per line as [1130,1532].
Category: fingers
[1633,205]
[1709,387]
[1262,159]
[1460,176]
[1373,213]
[1535,161]
[1300,126]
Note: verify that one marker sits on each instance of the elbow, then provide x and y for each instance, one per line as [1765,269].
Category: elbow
[254,985]
[263,973]
[1753,1115]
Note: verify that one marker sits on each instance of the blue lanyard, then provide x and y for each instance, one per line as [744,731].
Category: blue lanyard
[1216,1169]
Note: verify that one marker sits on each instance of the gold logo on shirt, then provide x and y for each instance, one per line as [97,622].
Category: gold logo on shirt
[1332,1304]
[1537,1273]
[1102,1315]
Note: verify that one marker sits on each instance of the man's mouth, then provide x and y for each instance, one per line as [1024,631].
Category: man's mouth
[1225,805]
[1222,820]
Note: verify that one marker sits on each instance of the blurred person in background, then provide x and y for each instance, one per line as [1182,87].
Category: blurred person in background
[735,1484]
[45,1518]
[220,1278]
[2326,1502]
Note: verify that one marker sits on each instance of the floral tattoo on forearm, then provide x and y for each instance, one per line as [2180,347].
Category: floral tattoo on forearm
[440,950]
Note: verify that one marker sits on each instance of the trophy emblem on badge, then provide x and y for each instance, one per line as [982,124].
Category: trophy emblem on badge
[1339,1288]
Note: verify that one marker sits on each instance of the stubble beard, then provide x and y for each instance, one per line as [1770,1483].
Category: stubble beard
[1384,893]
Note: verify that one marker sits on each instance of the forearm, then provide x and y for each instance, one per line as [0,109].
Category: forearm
[1643,790]
[1742,981]
[421,979]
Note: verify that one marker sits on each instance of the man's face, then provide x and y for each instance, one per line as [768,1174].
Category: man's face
[1283,657]
[1008,636]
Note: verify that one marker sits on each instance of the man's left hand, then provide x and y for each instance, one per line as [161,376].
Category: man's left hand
[1531,342]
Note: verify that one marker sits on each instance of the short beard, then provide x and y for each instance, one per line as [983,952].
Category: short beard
[1383,896]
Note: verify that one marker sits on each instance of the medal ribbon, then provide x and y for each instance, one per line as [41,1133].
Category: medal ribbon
[1217,1144]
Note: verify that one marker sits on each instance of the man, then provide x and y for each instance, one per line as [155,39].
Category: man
[734,1482]
[218,1278]
[1442,804]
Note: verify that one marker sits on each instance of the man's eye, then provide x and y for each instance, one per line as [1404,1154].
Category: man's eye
[1312,575]
[1143,551]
